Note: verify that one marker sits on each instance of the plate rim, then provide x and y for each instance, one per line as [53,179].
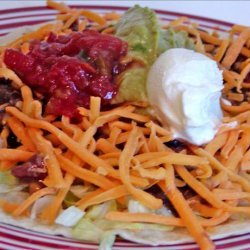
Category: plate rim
[122,8]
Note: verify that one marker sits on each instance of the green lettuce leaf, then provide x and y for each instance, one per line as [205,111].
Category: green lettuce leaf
[139,28]
[132,87]
[85,229]
[174,39]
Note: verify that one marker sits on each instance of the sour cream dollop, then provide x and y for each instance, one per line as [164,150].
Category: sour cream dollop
[184,89]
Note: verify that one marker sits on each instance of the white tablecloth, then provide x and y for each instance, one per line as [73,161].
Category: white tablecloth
[231,11]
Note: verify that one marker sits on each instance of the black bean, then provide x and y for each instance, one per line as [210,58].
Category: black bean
[8,94]
[12,141]
[176,145]
[157,192]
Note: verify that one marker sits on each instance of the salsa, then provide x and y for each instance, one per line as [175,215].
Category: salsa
[67,69]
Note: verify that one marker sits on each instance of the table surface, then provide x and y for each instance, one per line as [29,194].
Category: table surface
[231,11]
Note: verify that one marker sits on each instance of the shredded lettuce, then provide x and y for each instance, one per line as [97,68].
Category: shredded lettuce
[70,199]
[107,240]
[108,225]
[103,231]
[85,229]
[39,205]
[99,211]
[94,227]
[136,207]
[9,183]
[70,216]
[7,178]
[14,196]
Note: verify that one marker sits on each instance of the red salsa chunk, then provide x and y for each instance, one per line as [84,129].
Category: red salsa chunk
[67,69]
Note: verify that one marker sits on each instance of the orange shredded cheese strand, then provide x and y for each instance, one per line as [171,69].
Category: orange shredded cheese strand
[71,20]
[14,155]
[245,162]
[176,158]
[236,109]
[58,6]
[111,16]
[210,39]
[8,207]
[21,133]
[55,175]
[219,140]
[105,146]
[231,141]
[245,71]
[238,151]
[89,196]
[111,194]
[27,100]
[95,106]
[114,133]
[245,52]
[205,210]
[82,24]
[221,50]
[224,194]
[235,48]
[25,48]
[93,17]
[144,217]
